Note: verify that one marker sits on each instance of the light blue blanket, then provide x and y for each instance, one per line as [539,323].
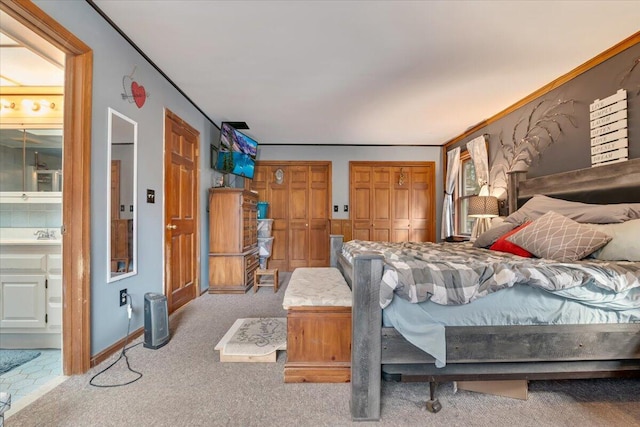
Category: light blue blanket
[423,324]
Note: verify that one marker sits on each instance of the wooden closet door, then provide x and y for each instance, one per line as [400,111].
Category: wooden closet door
[371,202]
[318,215]
[300,208]
[412,206]
[381,204]
[422,211]
[298,216]
[402,193]
[277,195]
[279,211]
[392,201]
[361,194]
[115,189]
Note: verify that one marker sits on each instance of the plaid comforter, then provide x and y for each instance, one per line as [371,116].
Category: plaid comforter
[458,273]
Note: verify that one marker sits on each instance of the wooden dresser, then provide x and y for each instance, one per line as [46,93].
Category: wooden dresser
[233,239]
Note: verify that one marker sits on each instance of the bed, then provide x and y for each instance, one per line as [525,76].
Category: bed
[495,352]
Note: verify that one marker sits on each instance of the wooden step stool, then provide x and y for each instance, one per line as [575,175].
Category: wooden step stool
[265,278]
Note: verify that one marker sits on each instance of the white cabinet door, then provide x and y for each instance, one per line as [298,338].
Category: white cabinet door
[22,301]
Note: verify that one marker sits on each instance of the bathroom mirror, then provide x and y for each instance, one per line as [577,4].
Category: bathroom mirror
[31,163]
[121,196]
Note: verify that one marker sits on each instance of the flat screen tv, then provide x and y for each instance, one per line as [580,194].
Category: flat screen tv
[237,153]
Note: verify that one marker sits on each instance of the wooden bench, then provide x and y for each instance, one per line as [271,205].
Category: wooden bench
[318,301]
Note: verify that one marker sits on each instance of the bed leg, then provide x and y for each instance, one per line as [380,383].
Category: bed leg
[433,404]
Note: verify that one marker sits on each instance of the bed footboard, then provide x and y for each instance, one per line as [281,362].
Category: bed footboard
[364,277]
[366,338]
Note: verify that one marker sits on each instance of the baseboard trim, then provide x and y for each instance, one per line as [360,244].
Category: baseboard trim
[115,347]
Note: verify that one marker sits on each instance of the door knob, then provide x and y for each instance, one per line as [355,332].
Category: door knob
[171,226]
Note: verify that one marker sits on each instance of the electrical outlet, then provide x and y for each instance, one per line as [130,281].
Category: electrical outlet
[346,208]
[335,208]
[123,297]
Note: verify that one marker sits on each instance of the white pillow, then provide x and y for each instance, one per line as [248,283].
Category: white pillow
[625,242]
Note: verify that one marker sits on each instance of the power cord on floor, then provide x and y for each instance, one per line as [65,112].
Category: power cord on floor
[122,354]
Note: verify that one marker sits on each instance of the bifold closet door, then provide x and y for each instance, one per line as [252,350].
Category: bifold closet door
[299,204]
[393,201]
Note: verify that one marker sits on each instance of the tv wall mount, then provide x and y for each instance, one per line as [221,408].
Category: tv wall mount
[237,125]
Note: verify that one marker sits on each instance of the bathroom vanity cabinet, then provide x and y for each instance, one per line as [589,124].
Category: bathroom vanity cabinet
[31,294]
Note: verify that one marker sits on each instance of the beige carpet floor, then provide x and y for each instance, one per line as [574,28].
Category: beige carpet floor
[184,384]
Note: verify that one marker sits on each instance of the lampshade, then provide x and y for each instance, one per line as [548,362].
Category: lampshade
[483,207]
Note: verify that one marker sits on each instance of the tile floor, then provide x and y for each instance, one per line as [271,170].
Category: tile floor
[29,377]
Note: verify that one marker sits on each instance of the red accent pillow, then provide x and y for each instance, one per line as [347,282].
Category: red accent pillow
[503,245]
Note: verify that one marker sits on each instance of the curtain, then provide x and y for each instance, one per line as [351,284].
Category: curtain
[453,166]
[478,151]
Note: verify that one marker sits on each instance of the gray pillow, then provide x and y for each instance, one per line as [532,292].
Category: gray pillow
[559,238]
[490,236]
[634,210]
[539,205]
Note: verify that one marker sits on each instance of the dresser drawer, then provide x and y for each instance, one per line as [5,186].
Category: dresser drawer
[250,201]
[251,264]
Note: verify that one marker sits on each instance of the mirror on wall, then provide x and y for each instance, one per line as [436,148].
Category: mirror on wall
[121,196]
[31,160]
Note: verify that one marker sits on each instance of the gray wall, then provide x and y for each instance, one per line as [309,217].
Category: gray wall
[114,58]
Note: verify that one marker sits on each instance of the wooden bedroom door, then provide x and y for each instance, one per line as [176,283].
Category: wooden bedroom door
[181,191]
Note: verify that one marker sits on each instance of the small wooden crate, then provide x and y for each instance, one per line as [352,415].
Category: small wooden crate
[265,278]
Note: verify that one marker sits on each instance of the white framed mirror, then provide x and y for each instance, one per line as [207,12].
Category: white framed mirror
[122,186]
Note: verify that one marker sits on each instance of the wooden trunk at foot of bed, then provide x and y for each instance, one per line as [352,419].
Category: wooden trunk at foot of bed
[318,345]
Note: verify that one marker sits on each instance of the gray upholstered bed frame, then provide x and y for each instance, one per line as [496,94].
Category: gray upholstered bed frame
[492,352]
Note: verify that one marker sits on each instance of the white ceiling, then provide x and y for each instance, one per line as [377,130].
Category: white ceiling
[27,59]
[366,72]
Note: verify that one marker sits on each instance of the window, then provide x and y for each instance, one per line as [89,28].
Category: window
[467,187]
